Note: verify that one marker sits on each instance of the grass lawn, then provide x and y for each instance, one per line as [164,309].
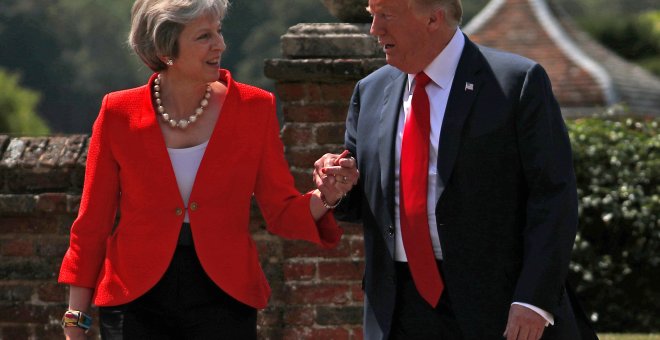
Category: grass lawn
[610,336]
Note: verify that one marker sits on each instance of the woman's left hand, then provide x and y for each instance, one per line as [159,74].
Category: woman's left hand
[335,175]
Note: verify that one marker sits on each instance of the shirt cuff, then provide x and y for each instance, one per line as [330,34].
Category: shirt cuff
[549,318]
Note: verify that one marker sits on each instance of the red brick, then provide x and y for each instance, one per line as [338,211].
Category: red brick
[340,92]
[351,228]
[296,271]
[298,134]
[302,249]
[303,157]
[291,91]
[331,333]
[28,313]
[52,292]
[357,246]
[299,316]
[296,333]
[356,292]
[314,92]
[341,270]
[318,293]
[331,133]
[52,202]
[269,317]
[13,224]
[315,113]
[73,204]
[52,246]
[18,332]
[302,179]
[16,247]
[357,333]
[16,291]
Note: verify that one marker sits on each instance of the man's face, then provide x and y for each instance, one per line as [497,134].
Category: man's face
[402,32]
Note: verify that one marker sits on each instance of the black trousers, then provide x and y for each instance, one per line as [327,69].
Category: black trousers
[414,318]
[184,304]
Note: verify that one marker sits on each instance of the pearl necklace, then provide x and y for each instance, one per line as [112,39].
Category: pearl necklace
[182,123]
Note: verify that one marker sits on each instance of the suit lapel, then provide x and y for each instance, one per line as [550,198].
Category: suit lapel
[389,117]
[464,90]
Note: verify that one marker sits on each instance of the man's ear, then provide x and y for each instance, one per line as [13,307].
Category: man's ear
[437,19]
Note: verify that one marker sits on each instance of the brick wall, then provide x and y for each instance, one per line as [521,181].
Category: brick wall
[316,293]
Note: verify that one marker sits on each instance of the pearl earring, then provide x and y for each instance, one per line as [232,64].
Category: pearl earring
[169,62]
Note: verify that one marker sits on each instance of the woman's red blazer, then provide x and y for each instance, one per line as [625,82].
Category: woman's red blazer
[129,172]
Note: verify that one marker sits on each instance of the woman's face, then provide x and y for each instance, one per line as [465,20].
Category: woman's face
[200,47]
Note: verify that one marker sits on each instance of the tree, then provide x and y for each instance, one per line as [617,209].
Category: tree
[17,108]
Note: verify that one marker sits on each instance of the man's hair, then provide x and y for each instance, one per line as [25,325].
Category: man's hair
[453,9]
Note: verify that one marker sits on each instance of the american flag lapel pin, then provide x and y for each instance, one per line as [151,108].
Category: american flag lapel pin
[469,87]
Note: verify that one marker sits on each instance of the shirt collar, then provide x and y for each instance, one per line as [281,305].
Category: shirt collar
[442,69]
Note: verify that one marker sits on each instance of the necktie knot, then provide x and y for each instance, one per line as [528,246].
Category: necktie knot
[422,79]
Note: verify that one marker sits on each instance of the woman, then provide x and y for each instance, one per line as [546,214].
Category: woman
[179,160]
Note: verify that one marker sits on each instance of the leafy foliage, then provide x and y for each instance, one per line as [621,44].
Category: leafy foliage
[617,251]
[71,51]
[17,108]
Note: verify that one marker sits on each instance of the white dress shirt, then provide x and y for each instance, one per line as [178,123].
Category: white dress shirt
[441,71]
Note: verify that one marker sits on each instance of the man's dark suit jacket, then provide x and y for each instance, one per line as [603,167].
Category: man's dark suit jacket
[507,215]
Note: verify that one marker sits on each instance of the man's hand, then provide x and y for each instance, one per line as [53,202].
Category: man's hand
[335,175]
[524,324]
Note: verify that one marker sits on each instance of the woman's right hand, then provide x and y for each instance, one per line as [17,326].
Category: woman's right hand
[74,333]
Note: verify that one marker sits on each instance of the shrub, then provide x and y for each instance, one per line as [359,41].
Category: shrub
[17,108]
[616,258]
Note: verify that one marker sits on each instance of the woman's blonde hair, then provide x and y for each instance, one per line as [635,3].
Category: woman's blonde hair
[157,24]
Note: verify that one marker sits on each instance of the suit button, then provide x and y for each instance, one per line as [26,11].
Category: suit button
[193,206]
[390,231]
[178,211]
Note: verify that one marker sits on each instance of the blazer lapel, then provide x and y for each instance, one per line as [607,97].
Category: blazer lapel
[156,150]
[464,90]
[389,117]
[211,167]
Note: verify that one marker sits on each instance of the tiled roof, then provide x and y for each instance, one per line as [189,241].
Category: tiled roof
[585,75]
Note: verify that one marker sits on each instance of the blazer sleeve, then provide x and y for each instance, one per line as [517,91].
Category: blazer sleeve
[285,210]
[551,218]
[350,208]
[97,212]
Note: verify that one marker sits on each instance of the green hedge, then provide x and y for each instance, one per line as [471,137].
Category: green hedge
[616,259]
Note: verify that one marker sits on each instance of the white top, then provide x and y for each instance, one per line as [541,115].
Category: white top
[185,163]
[441,71]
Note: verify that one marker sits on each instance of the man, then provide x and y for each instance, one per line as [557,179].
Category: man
[468,233]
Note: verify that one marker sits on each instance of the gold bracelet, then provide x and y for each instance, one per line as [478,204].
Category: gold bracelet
[327,205]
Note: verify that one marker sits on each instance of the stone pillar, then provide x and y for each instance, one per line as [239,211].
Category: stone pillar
[314,81]
[321,297]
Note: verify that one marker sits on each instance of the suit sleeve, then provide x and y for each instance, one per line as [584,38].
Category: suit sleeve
[349,209]
[551,210]
[285,210]
[98,206]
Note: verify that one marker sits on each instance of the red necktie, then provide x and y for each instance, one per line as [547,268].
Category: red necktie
[413,178]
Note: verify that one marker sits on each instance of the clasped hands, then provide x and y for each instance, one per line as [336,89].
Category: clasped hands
[335,175]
